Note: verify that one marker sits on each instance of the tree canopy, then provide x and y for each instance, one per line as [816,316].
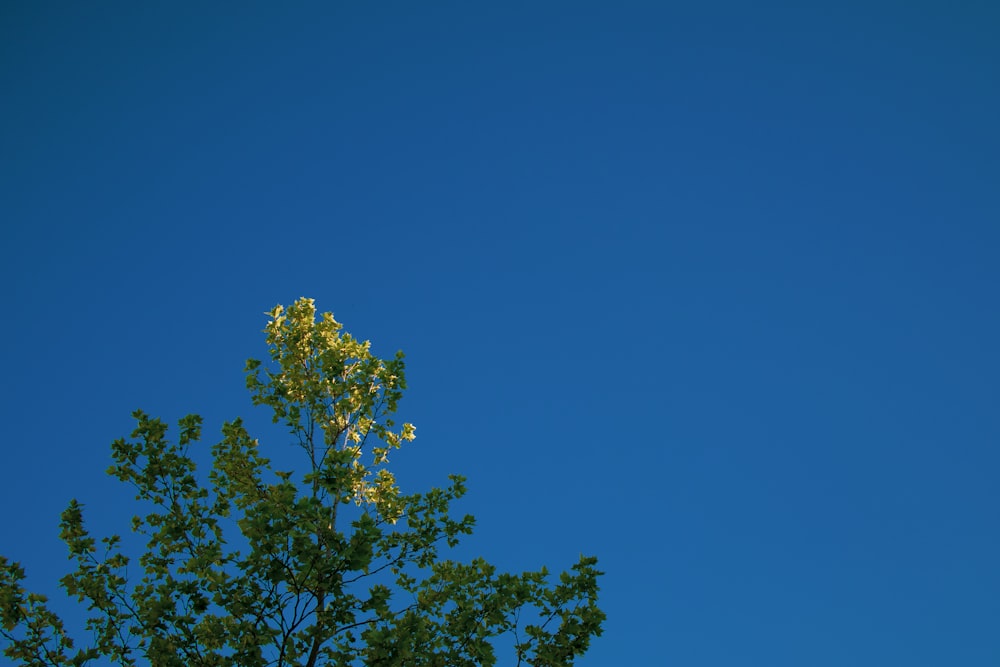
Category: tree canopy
[328,564]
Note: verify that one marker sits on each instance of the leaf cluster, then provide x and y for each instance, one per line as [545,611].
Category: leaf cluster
[251,566]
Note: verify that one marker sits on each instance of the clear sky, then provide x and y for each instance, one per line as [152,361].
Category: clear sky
[706,289]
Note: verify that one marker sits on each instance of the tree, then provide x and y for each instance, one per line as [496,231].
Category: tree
[332,565]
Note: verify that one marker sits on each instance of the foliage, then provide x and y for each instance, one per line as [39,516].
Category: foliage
[330,566]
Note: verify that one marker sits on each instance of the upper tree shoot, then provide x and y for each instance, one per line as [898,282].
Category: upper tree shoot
[250,566]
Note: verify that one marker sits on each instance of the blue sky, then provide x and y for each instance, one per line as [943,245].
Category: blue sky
[708,289]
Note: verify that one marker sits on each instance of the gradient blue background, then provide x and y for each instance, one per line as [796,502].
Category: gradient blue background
[706,289]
